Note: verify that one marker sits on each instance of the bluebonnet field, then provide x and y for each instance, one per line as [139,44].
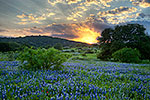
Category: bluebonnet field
[77,81]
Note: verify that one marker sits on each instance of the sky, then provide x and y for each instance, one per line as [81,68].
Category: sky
[78,20]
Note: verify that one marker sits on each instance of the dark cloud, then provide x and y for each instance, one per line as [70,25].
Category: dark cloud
[144,1]
[70,31]
[142,15]
[148,1]
[100,26]
[35,31]
[59,28]
[62,30]
[141,3]
[1,30]
[116,11]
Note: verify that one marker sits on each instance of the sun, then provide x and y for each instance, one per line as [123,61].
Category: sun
[87,35]
[88,38]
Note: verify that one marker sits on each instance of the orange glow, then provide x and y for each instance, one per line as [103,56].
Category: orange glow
[87,35]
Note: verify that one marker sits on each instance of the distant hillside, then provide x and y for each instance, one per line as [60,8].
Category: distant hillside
[40,41]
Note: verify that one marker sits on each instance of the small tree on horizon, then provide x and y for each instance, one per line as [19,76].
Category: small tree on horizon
[58,46]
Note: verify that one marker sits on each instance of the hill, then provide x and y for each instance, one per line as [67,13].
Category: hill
[40,41]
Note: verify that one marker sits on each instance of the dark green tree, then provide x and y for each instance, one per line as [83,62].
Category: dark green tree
[9,46]
[130,35]
[58,46]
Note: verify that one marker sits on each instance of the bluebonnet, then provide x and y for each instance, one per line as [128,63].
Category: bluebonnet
[79,81]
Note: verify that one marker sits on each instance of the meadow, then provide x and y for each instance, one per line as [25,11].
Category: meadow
[86,79]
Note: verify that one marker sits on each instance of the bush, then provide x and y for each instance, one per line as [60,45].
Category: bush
[42,58]
[127,55]
[145,61]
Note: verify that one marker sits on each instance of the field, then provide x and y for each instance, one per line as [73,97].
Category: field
[79,80]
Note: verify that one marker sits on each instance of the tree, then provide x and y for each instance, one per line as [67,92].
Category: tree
[58,46]
[130,35]
[9,46]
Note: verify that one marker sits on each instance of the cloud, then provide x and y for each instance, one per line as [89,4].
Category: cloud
[79,9]
[105,2]
[118,11]
[81,2]
[54,2]
[118,15]
[141,3]
[30,19]
[73,1]
[21,16]
[2,30]
[75,11]
[24,32]
[143,15]
[99,3]
[33,30]
[75,15]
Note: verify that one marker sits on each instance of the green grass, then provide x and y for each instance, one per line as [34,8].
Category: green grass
[147,68]
[8,56]
[86,57]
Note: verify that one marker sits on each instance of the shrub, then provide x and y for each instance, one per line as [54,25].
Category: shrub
[42,58]
[145,61]
[127,55]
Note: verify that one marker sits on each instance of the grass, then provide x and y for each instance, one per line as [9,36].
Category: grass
[85,57]
[8,56]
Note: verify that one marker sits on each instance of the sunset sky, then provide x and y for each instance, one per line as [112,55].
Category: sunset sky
[79,20]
